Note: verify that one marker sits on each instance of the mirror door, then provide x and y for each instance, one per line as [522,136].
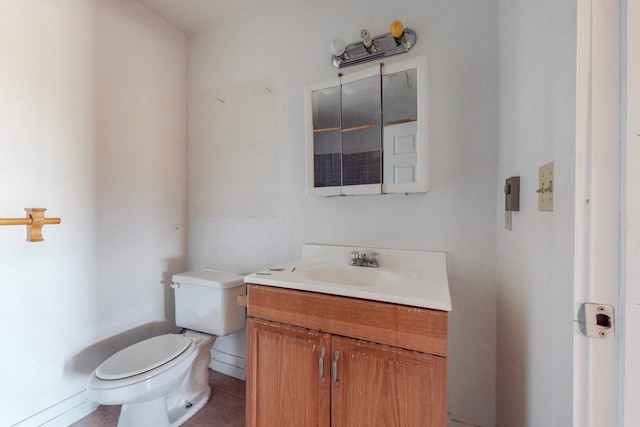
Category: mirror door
[366,132]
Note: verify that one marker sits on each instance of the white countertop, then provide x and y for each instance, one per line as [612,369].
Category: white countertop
[414,278]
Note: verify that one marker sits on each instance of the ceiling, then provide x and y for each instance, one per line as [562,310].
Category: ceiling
[191,16]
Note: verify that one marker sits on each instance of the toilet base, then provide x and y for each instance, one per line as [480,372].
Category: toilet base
[183,413]
[154,413]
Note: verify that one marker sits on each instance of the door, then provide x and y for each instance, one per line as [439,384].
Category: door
[400,154]
[597,221]
[287,379]
[630,295]
[607,372]
[404,136]
[376,385]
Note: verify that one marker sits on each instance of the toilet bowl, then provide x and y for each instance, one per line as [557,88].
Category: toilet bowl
[163,381]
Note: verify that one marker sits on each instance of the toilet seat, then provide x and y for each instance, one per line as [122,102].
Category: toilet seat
[143,356]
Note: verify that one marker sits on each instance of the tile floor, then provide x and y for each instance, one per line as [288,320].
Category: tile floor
[224,409]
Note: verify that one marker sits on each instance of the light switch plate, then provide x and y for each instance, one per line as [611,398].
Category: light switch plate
[507,220]
[512,194]
[545,188]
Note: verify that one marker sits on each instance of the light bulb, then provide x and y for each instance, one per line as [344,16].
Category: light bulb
[338,47]
[367,41]
[366,38]
[397,29]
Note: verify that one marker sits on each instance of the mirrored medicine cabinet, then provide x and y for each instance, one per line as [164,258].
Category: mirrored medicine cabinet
[366,131]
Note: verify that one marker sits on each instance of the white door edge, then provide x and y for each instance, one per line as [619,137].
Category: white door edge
[630,293]
[597,207]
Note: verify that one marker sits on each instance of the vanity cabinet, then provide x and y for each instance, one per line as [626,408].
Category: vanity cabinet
[283,385]
[366,131]
[325,360]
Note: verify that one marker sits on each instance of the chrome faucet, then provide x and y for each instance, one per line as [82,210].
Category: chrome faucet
[361,259]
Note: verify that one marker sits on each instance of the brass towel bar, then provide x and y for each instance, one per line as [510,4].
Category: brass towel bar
[34,221]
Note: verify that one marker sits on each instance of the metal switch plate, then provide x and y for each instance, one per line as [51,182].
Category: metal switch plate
[512,194]
[545,188]
[599,321]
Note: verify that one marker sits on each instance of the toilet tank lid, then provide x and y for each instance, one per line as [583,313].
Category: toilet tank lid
[212,278]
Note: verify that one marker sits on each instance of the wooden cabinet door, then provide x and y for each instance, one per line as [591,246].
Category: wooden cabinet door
[288,379]
[377,385]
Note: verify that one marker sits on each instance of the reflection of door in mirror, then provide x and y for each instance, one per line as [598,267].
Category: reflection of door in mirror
[361,118]
[327,157]
[400,153]
[400,114]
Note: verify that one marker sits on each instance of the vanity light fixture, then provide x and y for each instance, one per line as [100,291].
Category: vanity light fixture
[398,40]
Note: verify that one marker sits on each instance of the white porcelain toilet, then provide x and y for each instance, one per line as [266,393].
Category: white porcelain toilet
[164,380]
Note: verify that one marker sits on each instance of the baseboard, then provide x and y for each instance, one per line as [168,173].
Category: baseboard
[451,422]
[62,414]
[231,370]
[228,358]
[228,364]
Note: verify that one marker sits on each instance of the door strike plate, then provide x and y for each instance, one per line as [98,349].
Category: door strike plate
[599,321]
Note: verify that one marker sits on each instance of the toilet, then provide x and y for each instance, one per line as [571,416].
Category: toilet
[164,380]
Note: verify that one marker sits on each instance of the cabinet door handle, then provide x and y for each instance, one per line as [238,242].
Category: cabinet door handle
[334,368]
[321,365]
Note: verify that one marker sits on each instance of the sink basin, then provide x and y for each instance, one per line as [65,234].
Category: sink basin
[412,278]
[340,274]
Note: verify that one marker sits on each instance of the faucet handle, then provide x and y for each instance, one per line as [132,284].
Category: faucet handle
[354,255]
[372,259]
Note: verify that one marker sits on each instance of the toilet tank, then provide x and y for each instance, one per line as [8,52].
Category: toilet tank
[207,301]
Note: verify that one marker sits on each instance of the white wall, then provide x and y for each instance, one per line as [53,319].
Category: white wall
[92,100]
[246,180]
[535,259]
[141,180]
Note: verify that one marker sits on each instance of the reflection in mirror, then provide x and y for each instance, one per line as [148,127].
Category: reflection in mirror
[400,95]
[400,142]
[326,137]
[361,157]
[361,118]
[327,159]
[401,153]
[326,108]
[361,103]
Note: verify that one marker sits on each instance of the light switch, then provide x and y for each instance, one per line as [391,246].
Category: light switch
[512,194]
[545,187]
